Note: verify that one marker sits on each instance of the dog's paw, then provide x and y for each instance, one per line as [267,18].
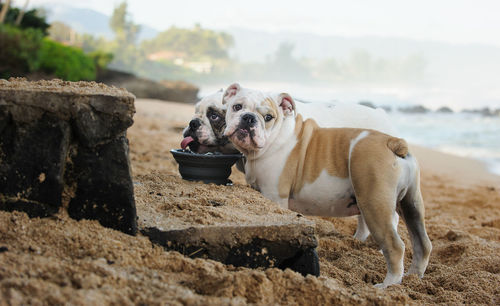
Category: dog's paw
[380,286]
[390,280]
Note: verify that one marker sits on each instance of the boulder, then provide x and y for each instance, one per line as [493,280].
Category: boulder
[367,104]
[231,224]
[178,91]
[414,109]
[63,145]
[444,110]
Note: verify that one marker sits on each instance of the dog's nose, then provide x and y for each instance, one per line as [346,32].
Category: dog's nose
[249,119]
[194,124]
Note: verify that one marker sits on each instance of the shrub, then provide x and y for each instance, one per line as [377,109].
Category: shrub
[19,50]
[101,58]
[68,63]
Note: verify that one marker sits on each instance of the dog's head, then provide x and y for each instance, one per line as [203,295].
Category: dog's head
[254,118]
[205,131]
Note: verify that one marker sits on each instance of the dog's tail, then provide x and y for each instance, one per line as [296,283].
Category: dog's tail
[398,146]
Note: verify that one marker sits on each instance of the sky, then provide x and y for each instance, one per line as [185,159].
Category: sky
[455,21]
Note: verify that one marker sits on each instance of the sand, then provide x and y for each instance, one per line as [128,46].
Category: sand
[58,260]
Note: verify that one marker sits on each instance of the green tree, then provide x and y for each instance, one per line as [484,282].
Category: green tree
[195,43]
[121,23]
[31,19]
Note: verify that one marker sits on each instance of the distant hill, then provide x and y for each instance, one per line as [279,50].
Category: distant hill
[89,21]
[447,64]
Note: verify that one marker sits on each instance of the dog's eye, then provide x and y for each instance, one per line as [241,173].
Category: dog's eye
[214,117]
[268,118]
[237,107]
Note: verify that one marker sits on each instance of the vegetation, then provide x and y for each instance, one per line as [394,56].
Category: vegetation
[67,63]
[20,50]
[25,49]
[196,43]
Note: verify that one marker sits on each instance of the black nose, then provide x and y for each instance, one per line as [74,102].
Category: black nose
[249,119]
[194,124]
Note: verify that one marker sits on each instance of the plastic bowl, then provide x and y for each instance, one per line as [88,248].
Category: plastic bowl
[209,168]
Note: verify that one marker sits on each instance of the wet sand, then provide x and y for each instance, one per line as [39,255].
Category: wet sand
[57,260]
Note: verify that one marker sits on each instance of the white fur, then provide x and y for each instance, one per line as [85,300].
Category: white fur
[355,141]
[316,200]
[339,114]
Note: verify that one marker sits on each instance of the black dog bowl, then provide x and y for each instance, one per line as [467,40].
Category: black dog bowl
[209,168]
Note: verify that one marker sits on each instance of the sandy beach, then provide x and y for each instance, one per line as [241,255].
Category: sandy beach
[59,260]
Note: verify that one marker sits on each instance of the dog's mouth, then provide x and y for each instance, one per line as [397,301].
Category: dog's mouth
[241,134]
[197,147]
[245,138]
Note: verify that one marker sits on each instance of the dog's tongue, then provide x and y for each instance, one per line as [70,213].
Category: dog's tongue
[186,141]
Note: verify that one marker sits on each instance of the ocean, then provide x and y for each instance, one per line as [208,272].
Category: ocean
[463,134]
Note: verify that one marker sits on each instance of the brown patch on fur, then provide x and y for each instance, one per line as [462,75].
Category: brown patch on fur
[298,125]
[398,146]
[271,105]
[316,150]
[319,149]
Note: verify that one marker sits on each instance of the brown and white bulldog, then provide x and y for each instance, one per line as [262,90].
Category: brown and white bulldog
[335,172]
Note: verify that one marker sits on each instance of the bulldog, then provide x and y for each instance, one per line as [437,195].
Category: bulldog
[336,172]
[205,131]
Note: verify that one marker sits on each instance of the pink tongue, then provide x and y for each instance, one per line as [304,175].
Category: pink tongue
[186,141]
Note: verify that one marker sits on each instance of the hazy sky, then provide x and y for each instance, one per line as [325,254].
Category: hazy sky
[457,21]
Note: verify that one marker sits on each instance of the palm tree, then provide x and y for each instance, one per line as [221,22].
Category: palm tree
[4,11]
[21,13]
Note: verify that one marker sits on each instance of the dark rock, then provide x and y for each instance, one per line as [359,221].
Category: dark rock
[277,245]
[100,121]
[487,112]
[3,249]
[387,108]
[415,109]
[444,110]
[104,190]
[305,262]
[32,157]
[143,88]
[367,104]
[63,144]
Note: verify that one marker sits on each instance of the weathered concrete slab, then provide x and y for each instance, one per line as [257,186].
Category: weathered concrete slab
[231,224]
[64,144]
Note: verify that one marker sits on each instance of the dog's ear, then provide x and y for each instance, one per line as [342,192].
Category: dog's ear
[231,91]
[287,104]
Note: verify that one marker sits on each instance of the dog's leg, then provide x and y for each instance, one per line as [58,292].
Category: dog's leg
[379,213]
[412,207]
[362,231]
[376,200]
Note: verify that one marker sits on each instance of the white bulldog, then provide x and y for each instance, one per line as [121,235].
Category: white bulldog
[334,172]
